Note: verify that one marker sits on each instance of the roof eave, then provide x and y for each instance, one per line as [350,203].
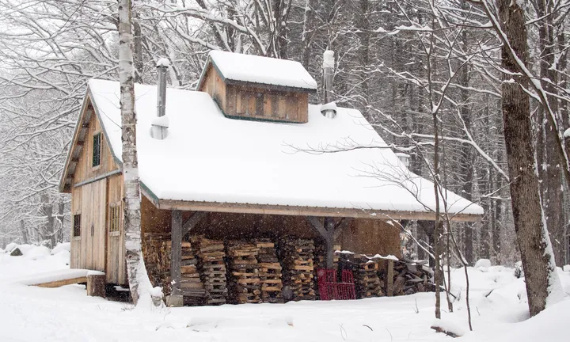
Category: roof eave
[269,209]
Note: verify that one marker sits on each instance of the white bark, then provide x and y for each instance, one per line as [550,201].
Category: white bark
[139,283]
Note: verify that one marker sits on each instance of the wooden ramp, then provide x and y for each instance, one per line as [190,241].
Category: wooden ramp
[61,277]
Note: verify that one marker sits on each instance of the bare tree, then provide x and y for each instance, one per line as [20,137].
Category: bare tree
[542,283]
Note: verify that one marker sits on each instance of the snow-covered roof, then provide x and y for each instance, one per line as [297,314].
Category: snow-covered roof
[208,157]
[262,70]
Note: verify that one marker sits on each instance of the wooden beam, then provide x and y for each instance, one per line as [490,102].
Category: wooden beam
[192,221]
[342,225]
[176,251]
[94,179]
[317,226]
[270,209]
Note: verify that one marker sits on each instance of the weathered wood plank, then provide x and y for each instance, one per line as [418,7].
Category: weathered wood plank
[176,257]
[390,280]
[269,209]
[192,221]
[62,282]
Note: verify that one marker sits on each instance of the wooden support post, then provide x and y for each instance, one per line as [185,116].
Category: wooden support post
[175,298]
[326,231]
[96,284]
[390,280]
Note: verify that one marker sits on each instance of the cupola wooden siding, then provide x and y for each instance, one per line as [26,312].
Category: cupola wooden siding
[251,99]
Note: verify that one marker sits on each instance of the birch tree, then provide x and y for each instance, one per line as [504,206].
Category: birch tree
[139,283]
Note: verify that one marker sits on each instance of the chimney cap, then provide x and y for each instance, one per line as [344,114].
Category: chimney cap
[163,63]
[329,110]
[328,59]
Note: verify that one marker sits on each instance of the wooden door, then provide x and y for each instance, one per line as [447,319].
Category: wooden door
[116,269]
[93,222]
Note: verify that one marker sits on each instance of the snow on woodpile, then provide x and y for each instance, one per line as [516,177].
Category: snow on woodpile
[208,157]
[264,70]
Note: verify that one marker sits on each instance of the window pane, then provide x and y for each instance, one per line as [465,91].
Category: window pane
[97,149]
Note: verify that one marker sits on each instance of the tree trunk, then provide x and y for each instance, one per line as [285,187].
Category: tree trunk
[542,283]
[24,232]
[139,283]
[549,166]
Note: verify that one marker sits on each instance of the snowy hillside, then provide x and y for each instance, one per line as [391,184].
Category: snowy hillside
[66,314]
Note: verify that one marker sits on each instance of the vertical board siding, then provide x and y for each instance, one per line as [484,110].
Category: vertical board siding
[371,237]
[85,169]
[89,250]
[256,102]
[116,267]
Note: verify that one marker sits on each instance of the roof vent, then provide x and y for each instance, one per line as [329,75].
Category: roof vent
[159,126]
[329,110]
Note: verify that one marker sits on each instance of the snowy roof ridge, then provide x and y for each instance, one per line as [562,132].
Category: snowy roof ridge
[209,158]
[261,70]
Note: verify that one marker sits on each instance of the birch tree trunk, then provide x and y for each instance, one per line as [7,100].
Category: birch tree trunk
[542,283]
[139,283]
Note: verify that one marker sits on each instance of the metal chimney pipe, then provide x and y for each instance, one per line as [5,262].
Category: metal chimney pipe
[161,68]
[328,73]
[159,126]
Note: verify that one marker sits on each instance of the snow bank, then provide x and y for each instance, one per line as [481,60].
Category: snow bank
[61,247]
[11,246]
[483,264]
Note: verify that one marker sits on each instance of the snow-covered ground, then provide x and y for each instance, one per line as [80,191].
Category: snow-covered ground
[498,303]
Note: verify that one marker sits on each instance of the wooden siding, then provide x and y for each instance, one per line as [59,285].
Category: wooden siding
[91,243]
[96,248]
[259,102]
[116,265]
[371,237]
[84,169]
[75,248]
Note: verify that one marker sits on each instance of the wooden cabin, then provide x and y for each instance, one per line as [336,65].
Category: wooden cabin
[218,175]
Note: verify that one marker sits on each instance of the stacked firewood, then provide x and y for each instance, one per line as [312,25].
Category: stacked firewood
[212,268]
[269,272]
[191,286]
[410,278]
[243,278]
[296,257]
[321,256]
[365,271]
[157,259]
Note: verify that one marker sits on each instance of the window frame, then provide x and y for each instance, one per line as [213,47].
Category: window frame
[115,219]
[76,228]
[96,149]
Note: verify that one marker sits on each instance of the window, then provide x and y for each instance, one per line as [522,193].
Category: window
[114,217]
[77,225]
[97,149]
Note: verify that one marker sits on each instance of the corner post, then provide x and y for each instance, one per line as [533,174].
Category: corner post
[175,298]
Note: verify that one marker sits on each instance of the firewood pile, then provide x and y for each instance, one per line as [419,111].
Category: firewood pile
[296,257]
[321,256]
[365,271]
[191,286]
[410,278]
[243,278]
[269,272]
[211,265]
[157,259]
